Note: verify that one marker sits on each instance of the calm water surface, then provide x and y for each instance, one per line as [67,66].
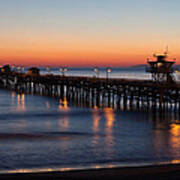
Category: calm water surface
[41,133]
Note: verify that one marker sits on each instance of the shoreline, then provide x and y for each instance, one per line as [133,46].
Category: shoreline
[164,171]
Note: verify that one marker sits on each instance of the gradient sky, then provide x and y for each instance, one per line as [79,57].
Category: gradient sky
[87,32]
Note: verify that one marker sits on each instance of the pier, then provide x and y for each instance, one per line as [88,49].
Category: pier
[161,93]
[96,92]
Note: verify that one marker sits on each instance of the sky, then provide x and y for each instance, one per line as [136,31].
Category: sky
[87,32]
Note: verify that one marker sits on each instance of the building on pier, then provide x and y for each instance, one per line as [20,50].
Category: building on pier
[161,69]
[5,69]
[33,71]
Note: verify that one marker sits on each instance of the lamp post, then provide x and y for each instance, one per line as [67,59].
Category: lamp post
[22,69]
[13,67]
[48,70]
[108,70]
[63,70]
[96,70]
[19,68]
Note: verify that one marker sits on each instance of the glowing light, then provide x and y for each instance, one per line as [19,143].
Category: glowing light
[12,97]
[13,94]
[159,64]
[96,119]
[108,70]
[175,161]
[63,70]
[97,167]
[48,69]
[65,169]
[37,170]
[96,70]
[175,134]
[22,68]
[63,104]
[21,102]
[175,129]
[109,114]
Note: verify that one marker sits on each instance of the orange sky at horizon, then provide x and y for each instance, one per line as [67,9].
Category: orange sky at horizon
[76,58]
[49,51]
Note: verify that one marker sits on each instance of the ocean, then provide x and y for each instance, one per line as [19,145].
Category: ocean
[39,133]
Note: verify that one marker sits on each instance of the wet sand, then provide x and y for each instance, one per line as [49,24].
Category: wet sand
[159,172]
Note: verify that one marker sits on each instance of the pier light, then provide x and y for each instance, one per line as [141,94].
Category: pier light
[19,68]
[108,71]
[159,64]
[12,67]
[22,68]
[63,70]
[48,70]
[15,67]
[96,70]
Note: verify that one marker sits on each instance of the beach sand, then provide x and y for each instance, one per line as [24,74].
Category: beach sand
[159,172]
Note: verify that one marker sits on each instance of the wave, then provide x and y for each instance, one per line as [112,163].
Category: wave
[42,136]
[52,114]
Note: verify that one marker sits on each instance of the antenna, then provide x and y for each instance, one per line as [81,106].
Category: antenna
[166,52]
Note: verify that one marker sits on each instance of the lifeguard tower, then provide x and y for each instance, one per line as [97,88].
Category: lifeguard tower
[161,69]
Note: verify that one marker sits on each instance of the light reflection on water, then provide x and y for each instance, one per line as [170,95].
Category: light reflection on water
[64,123]
[96,119]
[18,101]
[47,105]
[63,104]
[175,137]
[45,133]
[95,128]
[21,102]
[109,115]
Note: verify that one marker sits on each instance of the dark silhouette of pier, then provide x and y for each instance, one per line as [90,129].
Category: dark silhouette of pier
[160,93]
[96,92]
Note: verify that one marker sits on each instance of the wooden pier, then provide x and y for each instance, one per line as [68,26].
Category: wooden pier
[160,93]
[97,92]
